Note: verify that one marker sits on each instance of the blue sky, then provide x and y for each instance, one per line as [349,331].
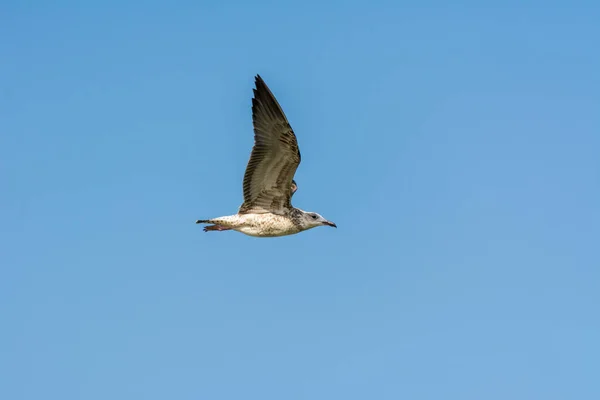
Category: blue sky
[456,147]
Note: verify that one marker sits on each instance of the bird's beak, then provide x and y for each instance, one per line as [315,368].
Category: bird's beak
[329,223]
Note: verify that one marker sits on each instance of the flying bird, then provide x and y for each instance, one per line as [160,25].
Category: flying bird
[269,182]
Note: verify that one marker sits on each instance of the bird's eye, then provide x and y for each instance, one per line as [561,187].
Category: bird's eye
[314,217]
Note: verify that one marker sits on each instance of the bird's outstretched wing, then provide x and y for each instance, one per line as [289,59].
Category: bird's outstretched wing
[268,181]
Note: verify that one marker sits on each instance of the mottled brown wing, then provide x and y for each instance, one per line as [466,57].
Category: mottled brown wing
[274,159]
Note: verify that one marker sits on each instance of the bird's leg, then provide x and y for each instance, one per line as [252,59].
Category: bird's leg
[220,224]
[215,228]
[294,187]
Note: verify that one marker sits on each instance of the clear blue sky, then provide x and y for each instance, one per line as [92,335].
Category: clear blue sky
[456,147]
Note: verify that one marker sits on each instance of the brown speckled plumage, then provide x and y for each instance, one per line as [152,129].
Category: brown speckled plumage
[268,181]
[274,159]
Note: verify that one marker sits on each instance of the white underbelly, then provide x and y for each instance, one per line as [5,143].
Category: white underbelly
[267,225]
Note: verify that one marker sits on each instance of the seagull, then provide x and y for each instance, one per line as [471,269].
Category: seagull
[269,182]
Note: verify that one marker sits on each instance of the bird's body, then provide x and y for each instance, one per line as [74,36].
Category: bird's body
[268,181]
[260,225]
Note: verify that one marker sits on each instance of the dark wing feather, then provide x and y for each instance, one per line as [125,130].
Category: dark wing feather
[274,159]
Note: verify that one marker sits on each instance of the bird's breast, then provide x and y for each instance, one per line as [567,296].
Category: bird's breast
[267,225]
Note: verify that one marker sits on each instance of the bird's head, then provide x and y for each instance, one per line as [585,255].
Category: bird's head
[312,220]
